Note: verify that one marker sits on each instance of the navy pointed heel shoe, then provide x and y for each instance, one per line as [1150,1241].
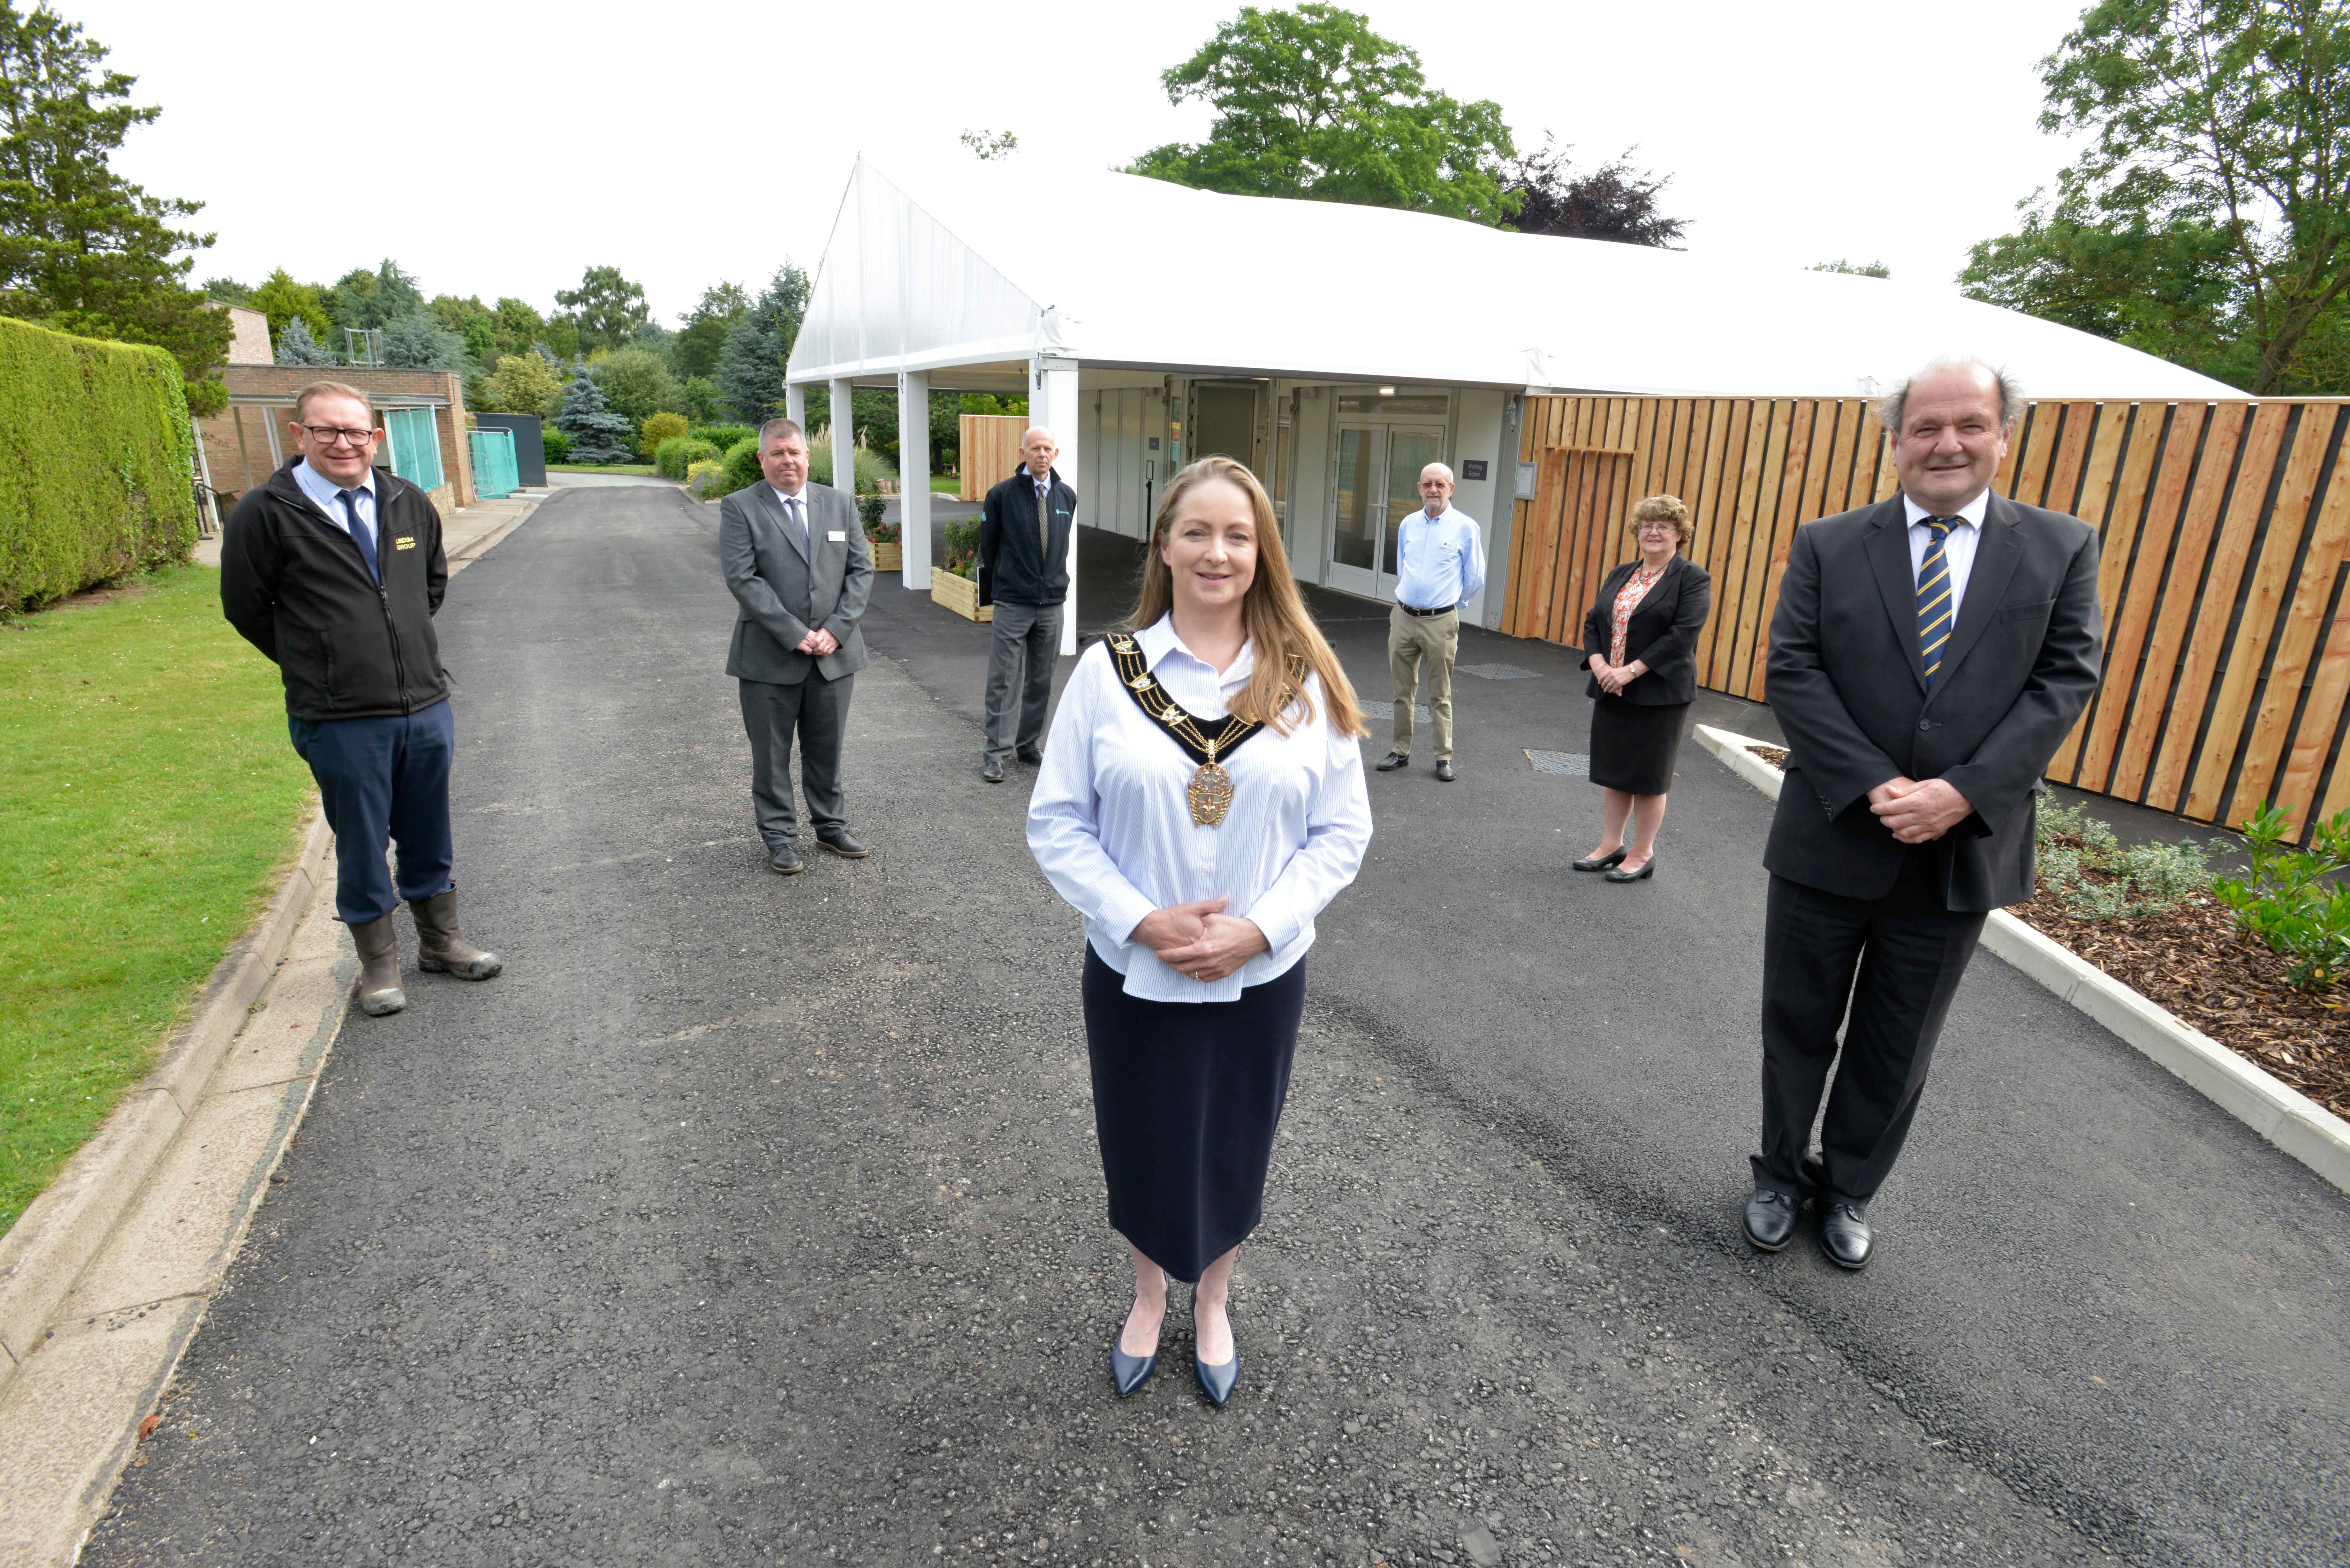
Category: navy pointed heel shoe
[1128,1373]
[1216,1382]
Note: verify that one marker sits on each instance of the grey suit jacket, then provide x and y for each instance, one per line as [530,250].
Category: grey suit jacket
[1847,685]
[785,594]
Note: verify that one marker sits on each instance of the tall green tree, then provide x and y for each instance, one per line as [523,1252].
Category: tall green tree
[637,382]
[2210,219]
[360,298]
[701,338]
[284,302]
[81,248]
[606,308]
[751,367]
[1312,103]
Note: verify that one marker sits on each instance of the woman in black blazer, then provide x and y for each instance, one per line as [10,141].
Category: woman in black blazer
[1639,642]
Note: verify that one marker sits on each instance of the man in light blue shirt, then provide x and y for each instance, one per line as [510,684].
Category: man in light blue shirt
[1440,566]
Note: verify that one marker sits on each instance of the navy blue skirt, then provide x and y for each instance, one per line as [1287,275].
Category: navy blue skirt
[1187,1096]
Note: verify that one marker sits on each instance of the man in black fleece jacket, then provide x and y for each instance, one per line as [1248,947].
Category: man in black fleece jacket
[333,568]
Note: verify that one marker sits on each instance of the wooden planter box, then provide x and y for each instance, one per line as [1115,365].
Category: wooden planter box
[888,557]
[960,595]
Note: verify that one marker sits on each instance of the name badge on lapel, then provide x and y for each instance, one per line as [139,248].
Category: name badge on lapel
[406,542]
[836,537]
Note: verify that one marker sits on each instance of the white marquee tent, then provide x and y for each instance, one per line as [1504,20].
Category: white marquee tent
[1149,324]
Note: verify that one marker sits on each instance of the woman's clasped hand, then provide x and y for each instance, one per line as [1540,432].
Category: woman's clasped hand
[1199,939]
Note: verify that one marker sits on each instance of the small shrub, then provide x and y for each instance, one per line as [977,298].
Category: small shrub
[657,428]
[869,511]
[962,547]
[2289,901]
[2084,868]
[557,445]
[743,465]
[674,456]
[723,437]
[707,478]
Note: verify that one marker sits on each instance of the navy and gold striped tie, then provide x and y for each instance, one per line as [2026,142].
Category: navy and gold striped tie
[1934,597]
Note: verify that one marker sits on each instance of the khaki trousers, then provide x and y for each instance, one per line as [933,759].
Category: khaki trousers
[1412,640]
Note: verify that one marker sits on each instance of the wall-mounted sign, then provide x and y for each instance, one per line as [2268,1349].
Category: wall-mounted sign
[1154,443]
[1472,468]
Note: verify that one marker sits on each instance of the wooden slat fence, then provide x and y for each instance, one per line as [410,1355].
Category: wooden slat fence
[987,451]
[2225,531]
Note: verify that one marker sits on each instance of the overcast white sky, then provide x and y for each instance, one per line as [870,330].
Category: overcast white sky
[498,149]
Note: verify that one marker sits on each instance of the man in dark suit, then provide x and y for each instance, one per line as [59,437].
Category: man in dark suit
[1024,553]
[1928,655]
[795,558]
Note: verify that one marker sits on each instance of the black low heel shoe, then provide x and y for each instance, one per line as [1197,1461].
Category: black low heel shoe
[1216,1382]
[1602,862]
[1128,1373]
[1647,870]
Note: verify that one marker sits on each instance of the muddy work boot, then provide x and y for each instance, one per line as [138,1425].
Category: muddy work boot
[379,984]
[441,946]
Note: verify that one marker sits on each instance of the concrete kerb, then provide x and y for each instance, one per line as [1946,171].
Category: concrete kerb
[2278,1112]
[54,1240]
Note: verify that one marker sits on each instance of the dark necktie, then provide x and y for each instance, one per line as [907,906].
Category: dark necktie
[1045,524]
[799,520]
[1934,596]
[363,535]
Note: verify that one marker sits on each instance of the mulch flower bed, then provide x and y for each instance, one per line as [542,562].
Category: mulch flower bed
[2195,962]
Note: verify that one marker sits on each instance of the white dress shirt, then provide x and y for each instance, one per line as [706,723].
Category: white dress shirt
[795,508]
[1957,545]
[1439,560]
[327,496]
[1111,830]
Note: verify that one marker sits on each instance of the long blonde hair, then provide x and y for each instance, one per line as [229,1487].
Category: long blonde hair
[1274,611]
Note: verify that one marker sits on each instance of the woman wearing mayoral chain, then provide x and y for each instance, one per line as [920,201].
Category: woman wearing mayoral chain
[1202,801]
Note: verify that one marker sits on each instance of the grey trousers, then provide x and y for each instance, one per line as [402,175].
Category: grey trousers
[817,709]
[1020,677]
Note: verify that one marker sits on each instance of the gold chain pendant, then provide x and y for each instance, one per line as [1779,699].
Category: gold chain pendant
[1209,795]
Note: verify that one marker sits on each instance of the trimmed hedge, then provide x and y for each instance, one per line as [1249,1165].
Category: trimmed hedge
[723,437]
[97,469]
[743,465]
[674,456]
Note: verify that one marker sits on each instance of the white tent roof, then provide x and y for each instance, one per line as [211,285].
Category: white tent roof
[996,262]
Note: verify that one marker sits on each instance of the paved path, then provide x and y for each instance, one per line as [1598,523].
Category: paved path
[747,1220]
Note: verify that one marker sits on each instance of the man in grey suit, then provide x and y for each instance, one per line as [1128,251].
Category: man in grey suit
[796,561]
[1927,656]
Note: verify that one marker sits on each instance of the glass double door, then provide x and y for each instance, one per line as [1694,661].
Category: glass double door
[1375,488]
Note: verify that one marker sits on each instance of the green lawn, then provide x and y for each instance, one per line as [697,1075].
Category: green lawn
[601,468]
[148,798]
[945,485]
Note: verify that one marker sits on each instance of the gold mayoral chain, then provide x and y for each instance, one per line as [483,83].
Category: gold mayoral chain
[1210,792]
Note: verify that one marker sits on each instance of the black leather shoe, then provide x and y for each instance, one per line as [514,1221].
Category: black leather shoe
[840,843]
[1444,770]
[1032,759]
[1647,869]
[991,771]
[785,859]
[1128,1373]
[1770,1219]
[1602,862]
[1393,760]
[1844,1235]
[1216,1382]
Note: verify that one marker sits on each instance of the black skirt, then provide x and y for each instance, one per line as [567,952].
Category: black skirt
[1186,1096]
[1634,745]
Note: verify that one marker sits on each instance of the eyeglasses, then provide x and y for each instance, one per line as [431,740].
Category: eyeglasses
[330,435]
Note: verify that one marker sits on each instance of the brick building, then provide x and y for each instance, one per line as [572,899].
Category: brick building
[423,413]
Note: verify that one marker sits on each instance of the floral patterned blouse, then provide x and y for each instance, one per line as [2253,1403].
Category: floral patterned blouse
[1628,599]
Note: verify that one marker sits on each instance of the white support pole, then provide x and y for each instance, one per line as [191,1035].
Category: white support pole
[795,404]
[914,476]
[844,441]
[1053,403]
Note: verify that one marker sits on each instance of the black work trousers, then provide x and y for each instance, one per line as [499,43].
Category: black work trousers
[1899,959]
[817,710]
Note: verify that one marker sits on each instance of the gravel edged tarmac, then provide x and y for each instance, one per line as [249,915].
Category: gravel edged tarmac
[753,1219]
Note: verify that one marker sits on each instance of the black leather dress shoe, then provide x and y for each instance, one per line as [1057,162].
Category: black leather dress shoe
[840,843]
[1393,760]
[1444,770]
[991,771]
[785,859]
[1844,1235]
[1602,862]
[1647,869]
[1032,759]
[1770,1219]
